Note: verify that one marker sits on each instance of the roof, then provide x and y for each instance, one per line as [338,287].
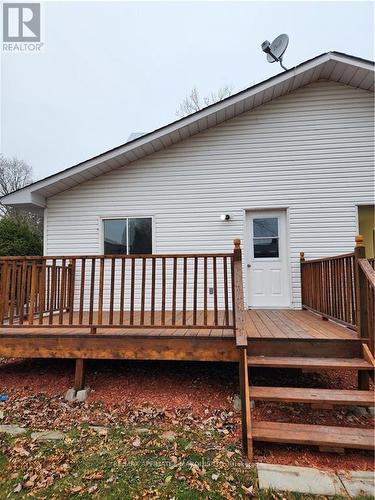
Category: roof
[334,66]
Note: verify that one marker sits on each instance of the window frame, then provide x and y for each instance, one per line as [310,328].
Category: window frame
[121,217]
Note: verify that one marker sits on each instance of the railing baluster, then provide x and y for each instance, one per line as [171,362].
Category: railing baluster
[101,290]
[195,292]
[12,291]
[226,296]
[215,290]
[153,282]
[184,291]
[143,291]
[112,288]
[174,290]
[62,291]
[52,292]
[205,307]
[132,292]
[92,291]
[163,269]
[81,291]
[42,291]
[71,270]
[33,291]
[21,307]
[122,291]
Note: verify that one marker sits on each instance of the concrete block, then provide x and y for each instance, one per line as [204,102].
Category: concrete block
[13,430]
[70,395]
[47,435]
[358,483]
[237,403]
[82,395]
[299,480]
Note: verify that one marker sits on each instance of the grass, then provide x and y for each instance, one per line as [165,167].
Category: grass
[128,463]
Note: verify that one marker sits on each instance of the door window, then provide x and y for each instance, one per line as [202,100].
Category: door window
[266,237]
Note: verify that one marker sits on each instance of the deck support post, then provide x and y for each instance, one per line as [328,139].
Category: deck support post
[363,381]
[361,304]
[79,376]
[247,442]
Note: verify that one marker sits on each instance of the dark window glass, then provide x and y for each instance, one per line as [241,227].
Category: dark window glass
[266,247]
[115,236]
[265,227]
[140,236]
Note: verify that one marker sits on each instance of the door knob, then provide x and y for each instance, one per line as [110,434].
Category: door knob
[249,265]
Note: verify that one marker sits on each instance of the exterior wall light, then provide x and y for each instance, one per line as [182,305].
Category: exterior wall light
[224,217]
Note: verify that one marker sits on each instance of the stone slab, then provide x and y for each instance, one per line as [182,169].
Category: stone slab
[358,483]
[13,430]
[47,435]
[299,480]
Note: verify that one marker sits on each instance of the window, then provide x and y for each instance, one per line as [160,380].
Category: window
[131,235]
[266,237]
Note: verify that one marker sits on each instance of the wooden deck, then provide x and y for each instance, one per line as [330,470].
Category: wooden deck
[268,332]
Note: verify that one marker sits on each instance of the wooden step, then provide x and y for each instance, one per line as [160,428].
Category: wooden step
[318,435]
[308,363]
[315,396]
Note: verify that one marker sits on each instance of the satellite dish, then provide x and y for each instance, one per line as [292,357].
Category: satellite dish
[276,49]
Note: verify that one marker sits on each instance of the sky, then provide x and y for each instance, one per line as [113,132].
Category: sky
[109,69]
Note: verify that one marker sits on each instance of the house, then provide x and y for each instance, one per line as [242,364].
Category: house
[286,166]
[290,160]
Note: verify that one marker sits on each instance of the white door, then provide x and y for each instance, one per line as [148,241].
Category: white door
[267,266]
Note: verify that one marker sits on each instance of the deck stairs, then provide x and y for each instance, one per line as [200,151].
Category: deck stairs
[356,356]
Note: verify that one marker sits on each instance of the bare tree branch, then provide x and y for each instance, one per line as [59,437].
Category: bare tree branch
[14,174]
[194,102]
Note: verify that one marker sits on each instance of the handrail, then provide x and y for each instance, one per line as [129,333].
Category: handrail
[334,257]
[116,256]
[368,271]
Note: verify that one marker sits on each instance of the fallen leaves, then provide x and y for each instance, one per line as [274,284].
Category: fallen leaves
[137,442]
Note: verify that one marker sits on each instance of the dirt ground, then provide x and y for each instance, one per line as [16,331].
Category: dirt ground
[178,392]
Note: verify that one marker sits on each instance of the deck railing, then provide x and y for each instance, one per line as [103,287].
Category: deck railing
[121,291]
[327,287]
[26,288]
[342,288]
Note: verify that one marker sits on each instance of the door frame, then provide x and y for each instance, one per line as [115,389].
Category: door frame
[246,251]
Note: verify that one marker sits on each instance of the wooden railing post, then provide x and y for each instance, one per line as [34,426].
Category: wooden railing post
[360,288]
[241,337]
[301,261]
[361,303]
[241,342]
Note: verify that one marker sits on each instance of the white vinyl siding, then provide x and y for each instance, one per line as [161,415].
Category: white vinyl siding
[310,152]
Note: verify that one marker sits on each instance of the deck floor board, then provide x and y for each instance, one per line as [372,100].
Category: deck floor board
[259,323]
